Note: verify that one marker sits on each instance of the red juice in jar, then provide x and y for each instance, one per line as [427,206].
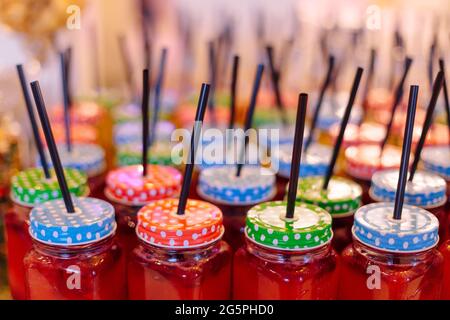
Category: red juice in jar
[30,188]
[289,259]
[180,257]
[427,190]
[88,158]
[341,199]
[392,259]
[75,255]
[128,190]
[236,195]
[362,161]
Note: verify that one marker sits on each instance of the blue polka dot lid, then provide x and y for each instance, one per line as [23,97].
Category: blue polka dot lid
[93,220]
[314,162]
[416,231]
[221,185]
[426,190]
[86,157]
[437,159]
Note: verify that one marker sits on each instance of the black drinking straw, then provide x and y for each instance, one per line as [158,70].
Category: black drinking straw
[275,79]
[68,69]
[212,61]
[233,90]
[40,105]
[65,87]
[296,154]
[196,130]
[398,97]
[323,89]
[433,48]
[158,91]
[123,48]
[145,126]
[369,80]
[427,123]
[406,150]
[34,126]
[446,99]
[249,116]
[345,118]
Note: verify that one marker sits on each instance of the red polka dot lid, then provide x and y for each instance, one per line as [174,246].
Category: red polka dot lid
[127,185]
[159,224]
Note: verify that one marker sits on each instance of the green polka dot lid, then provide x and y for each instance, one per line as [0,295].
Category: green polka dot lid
[131,154]
[30,187]
[310,227]
[342,198]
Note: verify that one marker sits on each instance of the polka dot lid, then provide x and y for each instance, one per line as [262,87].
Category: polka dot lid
[131,154]
[314,162]
[30,187]
[310,228]
[426,189]
[367,133]
[93,220]
[128,186]
[364,160]
[159,224]
[221,185]
[374,226]
[88,158]
[332,111]
[130,132]
[437,160]
[342,197]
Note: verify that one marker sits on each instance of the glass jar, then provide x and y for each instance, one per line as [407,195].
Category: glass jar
[180,257]
[236,195]
[392,259]
[286,258]
[341,199]
[128,190]
[29,188]
[74,255]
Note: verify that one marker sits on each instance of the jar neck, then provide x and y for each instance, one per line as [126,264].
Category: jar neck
[386,257]
[277,255]
[166,253]
[70,251]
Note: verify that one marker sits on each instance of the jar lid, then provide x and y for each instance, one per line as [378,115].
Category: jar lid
[88,158]
[30,187]
[342,198]
[221,185]
[426,189]
[159,224]
[367,133]
[374,226]
[314,163]
[310,228]
[127,112]
[437,135]
[437,159]
[333,109]
[364,160]
[131,154]
[92,221]
[131,131]
[128,186]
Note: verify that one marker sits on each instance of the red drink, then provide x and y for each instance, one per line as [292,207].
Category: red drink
[129,190]
[341,199]
[180,257]
[29,188]
[286,259]
[362,161]
[236,195]
[74,255]
[392,259]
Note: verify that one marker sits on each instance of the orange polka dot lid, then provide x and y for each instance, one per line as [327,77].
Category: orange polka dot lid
[159,224]
[127,185]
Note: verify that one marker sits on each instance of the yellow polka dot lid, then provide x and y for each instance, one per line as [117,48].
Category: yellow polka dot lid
[159,224]
[30,187]
[267,225]
[341,198]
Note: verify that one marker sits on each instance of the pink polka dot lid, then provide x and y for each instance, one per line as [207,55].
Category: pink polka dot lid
[127,185]
[159,224]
